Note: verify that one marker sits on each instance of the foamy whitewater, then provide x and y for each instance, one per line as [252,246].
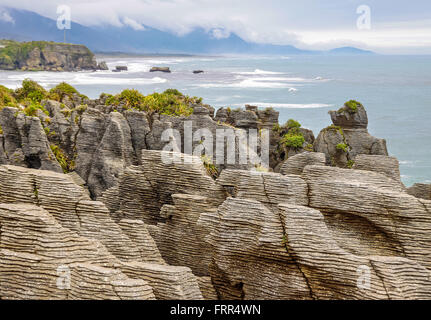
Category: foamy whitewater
[394,89]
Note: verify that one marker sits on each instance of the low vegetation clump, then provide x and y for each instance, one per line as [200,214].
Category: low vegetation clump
[34,92]
[260,168]
[350,164]
[343,147]
[66,164]
[276,128]
[30,91]
[293,139]
[62,90]
[129,98]
[6,97]
[309,147]
[210,167]
[351,106]
[171,102]
[31,109]
[292,124]
[28,97]
[337,129]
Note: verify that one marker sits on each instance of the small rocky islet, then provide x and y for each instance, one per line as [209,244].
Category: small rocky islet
[83,188]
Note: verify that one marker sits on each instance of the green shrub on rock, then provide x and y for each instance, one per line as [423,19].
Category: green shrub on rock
[30,91]
[173,91]
[351,106]
[293,139]
[211,169]
[66,164]
[60,91]
[309,147]
[343,147]
[31,109]
[171,102]
[6,97]
[293,124]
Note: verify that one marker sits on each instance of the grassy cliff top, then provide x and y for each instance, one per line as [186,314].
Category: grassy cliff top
[170,102]
[13,52]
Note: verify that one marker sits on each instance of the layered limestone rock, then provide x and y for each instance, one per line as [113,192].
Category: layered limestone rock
[332,271]
[181,240]
[250,260]
[50,222]
[143,190]
[114,153]
[24,142]
[368,241]
[68,203]
[389,166]
[168,282]
[164,228]
[420,190]
[40,259]
[347,138]
[297,163]
[99,141]
[268,188]
[388,221]
[350,119]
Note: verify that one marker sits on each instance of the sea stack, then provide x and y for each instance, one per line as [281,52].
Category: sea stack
[160,69]
[120,68]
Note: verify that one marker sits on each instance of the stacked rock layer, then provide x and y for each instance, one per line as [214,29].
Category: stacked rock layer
[163,228]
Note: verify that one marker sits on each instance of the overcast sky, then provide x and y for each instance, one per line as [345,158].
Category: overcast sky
[397,26]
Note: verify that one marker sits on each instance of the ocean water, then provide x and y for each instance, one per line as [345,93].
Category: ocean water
[395,90]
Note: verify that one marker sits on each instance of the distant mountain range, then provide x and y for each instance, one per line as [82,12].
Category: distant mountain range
[27,26]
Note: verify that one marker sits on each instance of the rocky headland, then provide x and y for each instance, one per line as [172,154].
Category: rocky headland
[47,56]
[88,209]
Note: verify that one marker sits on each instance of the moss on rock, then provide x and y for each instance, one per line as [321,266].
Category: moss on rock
[351,106]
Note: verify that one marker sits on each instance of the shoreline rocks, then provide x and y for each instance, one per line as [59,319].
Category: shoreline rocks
[160,69]
[120,69]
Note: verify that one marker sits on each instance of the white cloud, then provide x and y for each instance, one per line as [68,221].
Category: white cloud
[307,23]
[133,24]
[5,16]
[220,33]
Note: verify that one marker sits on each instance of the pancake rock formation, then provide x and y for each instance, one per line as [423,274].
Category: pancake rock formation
[93,207]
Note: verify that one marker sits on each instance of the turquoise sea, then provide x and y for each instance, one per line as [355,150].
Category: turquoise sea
[396,91]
